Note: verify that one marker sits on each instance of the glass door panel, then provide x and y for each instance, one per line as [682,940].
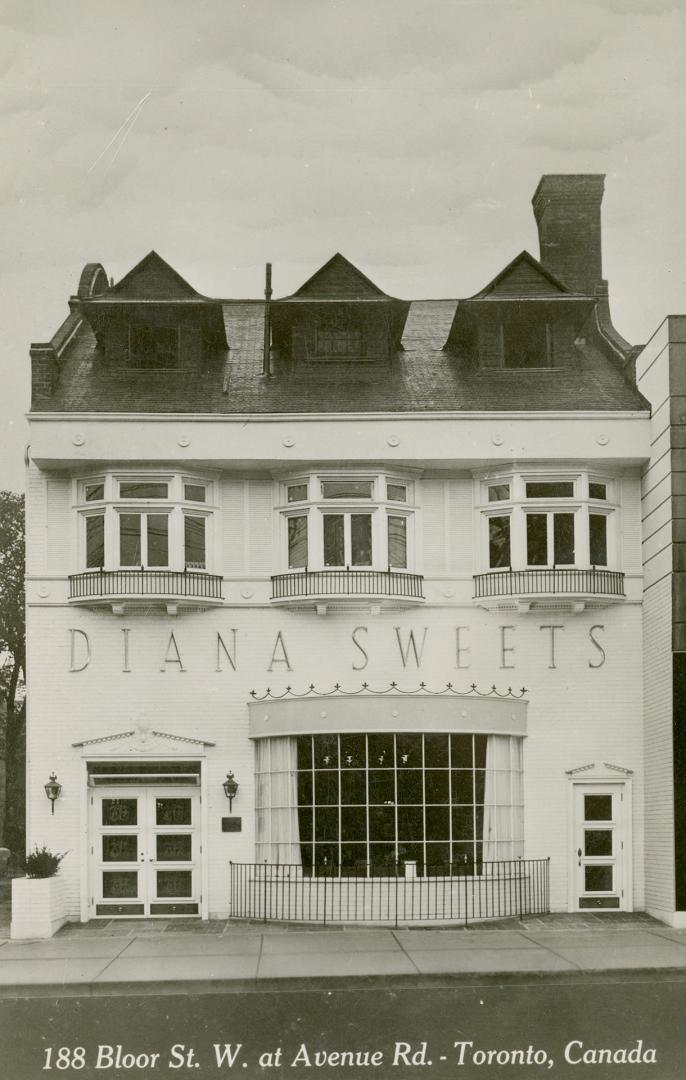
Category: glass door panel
[599,847]
[117,852]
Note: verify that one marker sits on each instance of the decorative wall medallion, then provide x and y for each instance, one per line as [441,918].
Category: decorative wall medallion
[44,591]
[78,439]
[602,440]
[288,440]
[184,440]
[497,439]
[246,593]
[393,440]
[449,591]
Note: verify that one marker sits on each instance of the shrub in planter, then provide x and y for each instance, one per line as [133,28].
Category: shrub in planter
[42,863]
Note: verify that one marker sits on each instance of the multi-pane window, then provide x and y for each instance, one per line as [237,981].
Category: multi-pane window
[353,521]
[368,803]
[548,522]
[145,522]
[338,343]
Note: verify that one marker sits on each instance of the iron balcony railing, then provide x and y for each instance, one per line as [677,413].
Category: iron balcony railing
[551,582]
[167,584]
[499,890]
[310,583]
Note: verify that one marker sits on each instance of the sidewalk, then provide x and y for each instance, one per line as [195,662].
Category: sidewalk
[191,957]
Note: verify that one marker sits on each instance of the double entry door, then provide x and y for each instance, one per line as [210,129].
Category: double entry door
[145,851]
[600,847]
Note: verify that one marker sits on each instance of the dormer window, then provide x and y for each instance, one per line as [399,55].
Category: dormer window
[338,344]
[153,347]
[526,342]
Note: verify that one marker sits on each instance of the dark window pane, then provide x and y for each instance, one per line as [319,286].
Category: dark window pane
[305,824]
[461,751]
[598,807]
[304,751]
[550,489]
[479,786]
[498,492]
[360,540]
[598,878]
[120,811]
[353,786]
[130,539]
[410,852]
[597,842]
[326,787]
[173,811]
[410,823]
[297,542]
[462,786]
[464,857]
[381,786]
[120,848]
[463,823]
[382,823]
[354,858]
[154,347]
[598,537]
[410,786]
[304,789]
[194,492]
[438,823]
[326,823]
[325,751]
[353,753]
[174,883]
[158,540]
[436,783]
[397,541]
[95,541]
[537,539]
[597,491]
[346,489]
[119,883]
[334,552]
[325,859]
[338,344]
[396,492]
[173,848]
[381,753]
[409,750]
[437,859]
[94,492]
[194,542]
[383,860]
[297,492]
[354,823]
[563,535]
[525,342]
[142,489]
[480,742]
[498,542]
[436,751]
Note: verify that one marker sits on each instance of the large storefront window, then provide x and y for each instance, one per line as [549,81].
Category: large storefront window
[364,804]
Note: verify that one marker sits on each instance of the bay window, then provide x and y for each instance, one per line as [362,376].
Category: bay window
[536,522]
[143,522]
[339,522]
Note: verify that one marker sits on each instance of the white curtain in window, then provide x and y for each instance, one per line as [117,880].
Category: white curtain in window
[503,834]
[278,835]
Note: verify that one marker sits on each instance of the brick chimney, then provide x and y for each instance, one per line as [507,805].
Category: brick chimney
[567,212]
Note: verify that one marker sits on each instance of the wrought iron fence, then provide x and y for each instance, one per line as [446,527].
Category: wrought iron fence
[167,583]
[282,893]
[306,583]
[551,581]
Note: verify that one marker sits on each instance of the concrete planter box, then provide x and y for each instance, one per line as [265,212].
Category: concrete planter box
[38,908]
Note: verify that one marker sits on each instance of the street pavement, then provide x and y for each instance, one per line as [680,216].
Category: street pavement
[121,957]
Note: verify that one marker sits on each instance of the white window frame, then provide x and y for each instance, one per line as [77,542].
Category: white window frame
[175,506]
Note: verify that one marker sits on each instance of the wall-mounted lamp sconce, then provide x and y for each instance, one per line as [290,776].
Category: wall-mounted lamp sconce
[52,790]
[230,786]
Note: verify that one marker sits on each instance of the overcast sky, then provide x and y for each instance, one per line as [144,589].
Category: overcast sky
[408,134]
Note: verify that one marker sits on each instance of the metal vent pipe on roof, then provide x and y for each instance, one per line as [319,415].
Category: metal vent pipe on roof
[267,319]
